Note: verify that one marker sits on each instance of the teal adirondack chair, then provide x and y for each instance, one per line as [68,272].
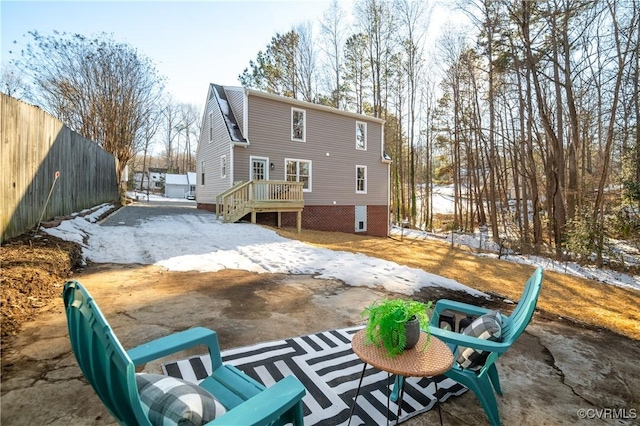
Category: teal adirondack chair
[483,382]
[111,370]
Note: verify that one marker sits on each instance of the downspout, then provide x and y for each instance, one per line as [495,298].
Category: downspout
[382,156]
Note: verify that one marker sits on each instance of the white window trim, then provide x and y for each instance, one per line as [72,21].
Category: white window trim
[224,164]
[365,136]
[304,124]
[211,127]
[365,179]
[298,160]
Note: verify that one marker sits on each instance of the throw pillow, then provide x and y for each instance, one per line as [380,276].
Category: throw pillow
[487,326]
[171,401]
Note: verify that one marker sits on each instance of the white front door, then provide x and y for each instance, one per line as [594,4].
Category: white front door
[259,169]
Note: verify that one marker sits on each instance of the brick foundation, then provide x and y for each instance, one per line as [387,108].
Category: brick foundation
[326,218]
[207,207]
[378,221]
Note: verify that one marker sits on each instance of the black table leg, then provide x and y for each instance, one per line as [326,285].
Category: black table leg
[400,396]
[364,367]
[435,380]
[388,386]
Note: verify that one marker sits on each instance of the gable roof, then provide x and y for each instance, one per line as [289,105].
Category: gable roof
[232,123]
[171,179]
[191,177]
[311,105]
[227,113]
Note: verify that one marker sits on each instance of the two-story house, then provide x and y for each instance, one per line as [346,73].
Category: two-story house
[254,144]
[156,178]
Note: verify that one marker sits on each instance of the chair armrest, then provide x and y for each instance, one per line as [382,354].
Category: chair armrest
[173,343]
[266,406]
[459,339]
[452,305]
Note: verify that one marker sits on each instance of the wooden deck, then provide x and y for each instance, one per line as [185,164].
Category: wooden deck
[261,196]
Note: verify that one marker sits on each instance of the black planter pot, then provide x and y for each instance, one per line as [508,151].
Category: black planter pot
[412,328]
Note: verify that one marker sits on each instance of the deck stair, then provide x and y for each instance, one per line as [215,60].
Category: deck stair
[260,196]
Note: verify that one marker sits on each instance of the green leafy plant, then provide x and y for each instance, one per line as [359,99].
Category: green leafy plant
[387,320]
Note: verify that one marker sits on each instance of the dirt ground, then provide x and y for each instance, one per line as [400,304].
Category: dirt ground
[32,271]
[582,301]
[33,268]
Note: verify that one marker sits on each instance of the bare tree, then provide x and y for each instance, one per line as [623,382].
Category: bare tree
[356,72]
[103,89]
[428,134]
[332,31]
[375,20]
[452,48]
[12,83]
[623,35]
[306,61]
[413,23]
[145,138]
[189,128]
[171,128]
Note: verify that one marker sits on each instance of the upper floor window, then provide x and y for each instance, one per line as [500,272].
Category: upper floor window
[361,179]
[223,166]
[299,171]
[298,124]
[361,135]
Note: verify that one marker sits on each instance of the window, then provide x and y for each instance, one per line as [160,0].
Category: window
[361,135]
[298,125]
[223,166]
[202,173]
[299,171]
[361,179]
[211,127]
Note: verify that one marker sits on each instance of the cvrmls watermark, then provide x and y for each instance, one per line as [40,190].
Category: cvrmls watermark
[608,413]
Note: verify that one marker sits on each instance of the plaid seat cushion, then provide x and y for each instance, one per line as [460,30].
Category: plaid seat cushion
[170,401]
[488,326]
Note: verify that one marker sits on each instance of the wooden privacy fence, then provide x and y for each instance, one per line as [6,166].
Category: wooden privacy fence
[34,146]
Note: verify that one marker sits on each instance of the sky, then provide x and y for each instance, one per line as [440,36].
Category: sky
[253,248]
[192,43]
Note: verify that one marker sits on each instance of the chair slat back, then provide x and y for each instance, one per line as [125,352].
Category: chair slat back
[102,359]
[514,325]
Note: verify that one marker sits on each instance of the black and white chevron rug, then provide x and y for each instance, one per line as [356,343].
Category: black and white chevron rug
[330,371]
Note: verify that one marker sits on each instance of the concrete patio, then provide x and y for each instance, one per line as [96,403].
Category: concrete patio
[557,372]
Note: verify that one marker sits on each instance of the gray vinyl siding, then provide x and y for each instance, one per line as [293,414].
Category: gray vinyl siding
[333,175]
[210,153]
[235,96]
